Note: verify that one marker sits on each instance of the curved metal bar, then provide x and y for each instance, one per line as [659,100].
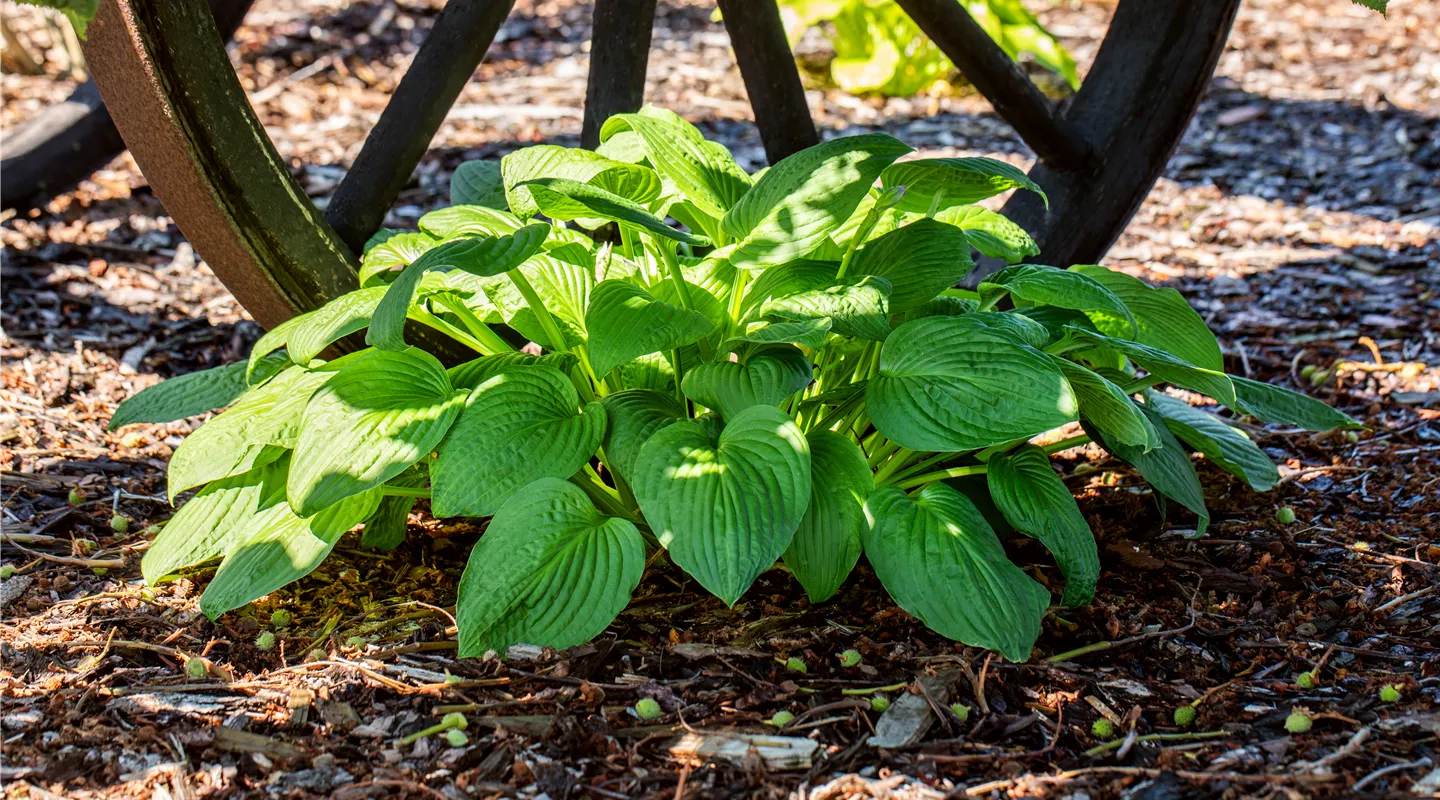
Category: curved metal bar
[619,53]
[162,69]
[1134,107]
[772,80]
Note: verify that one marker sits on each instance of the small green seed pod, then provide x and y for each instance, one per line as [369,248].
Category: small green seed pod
[1298,722]
[782,718]
[196,668]
[6,571]
[1184,715]
[455,721]
[1390,693]
[265,641]
[1285,516]
[850,658]
[647,709]
[880,703]
[1306,680]
[961,710]
[456,738]
[1103,729]
[793,664]
[76,497]
[120,524]
[280,618]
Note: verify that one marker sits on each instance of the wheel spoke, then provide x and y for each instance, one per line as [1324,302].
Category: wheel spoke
[442,67]
[619,51]
[771,78]
[1003,82]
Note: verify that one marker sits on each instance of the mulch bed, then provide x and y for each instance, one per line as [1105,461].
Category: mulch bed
[1301,217]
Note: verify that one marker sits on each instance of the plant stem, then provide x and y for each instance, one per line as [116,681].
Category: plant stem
[1065,444]
[953,472]
[894,687]
[601,495]
[476,326]
[866,225]
[429,320]
[1140,385]
[680,373]
[921,467]
[1157,737]
[881,453]
[672,265]
[403,491]
[532,299]
[896,462]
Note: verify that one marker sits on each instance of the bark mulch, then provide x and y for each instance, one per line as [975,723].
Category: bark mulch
[1301,217]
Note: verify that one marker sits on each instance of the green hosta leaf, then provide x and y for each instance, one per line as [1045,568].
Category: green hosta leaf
[478,183]
[1107,406]
[634,182]
[624,146]
[941,561]
[1055,287]
[393,254]
[857,307]
[1230,449]
[455,221]
[990,233]
[563,287]
[240,438]
[549,571]
[1036,502]
[473,373]
[705,173]
[951,383]
[634,415]
[519,426]
[919,260]
[1018,326]
[725,507]
[765,378]
[699,300]
[479,255]
[306,336]
[808,333]
[380,413]
[1165,320]
[1166,467]
[827,543]
[380,237]
[942,306]
[206,526]
[81,12]
[562,199]
[651,371]
[276,547]
[546,161]
[192,394]
[386,528]
[1272,403]
[960,181]
[626,322]
[799,201]
[783,281]
[1165,366]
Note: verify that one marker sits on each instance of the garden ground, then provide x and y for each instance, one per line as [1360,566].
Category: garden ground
[1301,217]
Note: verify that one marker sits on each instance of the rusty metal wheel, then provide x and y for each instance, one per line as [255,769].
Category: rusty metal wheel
[162,69]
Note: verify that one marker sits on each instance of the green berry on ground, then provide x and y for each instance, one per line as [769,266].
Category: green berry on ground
[782,718]
[1390,693]
[961,710]
[120,524]
[6,571]
[880,703]
[1103,728]
[315,655]
[265,641]
[850,658]
[196,668]
[1352,437]
[1184,715]
[280,618]
[1285,516]
[1306,680]
[647,709]
[357,642]
[793,664]
[1298,722]
[456,738]
[76,497]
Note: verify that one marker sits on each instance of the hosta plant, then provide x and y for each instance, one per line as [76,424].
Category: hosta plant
[787,375]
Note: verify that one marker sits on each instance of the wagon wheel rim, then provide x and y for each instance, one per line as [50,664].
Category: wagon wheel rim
[162,69]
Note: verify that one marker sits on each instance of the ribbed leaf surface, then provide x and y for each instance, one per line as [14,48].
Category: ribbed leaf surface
[1165,320]
[549,571]
[725,507]
[1230,449]
[827,543]
[919,260]
[207,525]
[1036,502]
[990,233]
[517,427]
[478,183]
[1164,365]
[1056,287]
[1107,406]
[626,322]
[563,287]
[706,174]
[961,181]
[562,199]
[765,378]
[194,393]
[857,307]
[632,417]
[1273,403]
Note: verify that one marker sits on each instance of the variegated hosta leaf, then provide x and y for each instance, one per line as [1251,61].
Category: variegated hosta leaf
[941,561]
[194,393]
[632,417]
[1164,319]
[381,412]
[519,426]
[1230,449]
[207,525]
[795,205]
[725,506]
[276,548]
[952,383]
[827,543]
[1036,502]
[626,322]
[549,571]
[919,260]
[765,378]
[958,181]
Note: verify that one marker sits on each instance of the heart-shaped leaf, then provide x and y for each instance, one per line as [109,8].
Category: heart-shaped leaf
[380,413]
[626,322]
[952,383]
[795,205]
[1107,406]
[857,307]
[959,181]
[194,393]
[941,561]
[1164,319]
[725,507]
[550,571]
[633,416]
[519,426]
[1036,502]
[393,254]
[1230,449]
[919,260]
[455,221]
[546,161]
[1276,404]
[306,336]
[827,543]
[765,378]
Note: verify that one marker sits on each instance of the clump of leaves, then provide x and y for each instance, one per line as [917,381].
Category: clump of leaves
[791,376]
[878,48]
